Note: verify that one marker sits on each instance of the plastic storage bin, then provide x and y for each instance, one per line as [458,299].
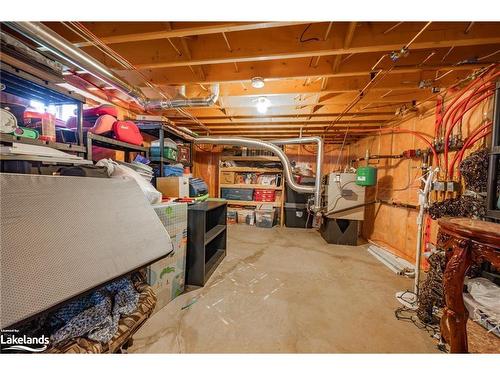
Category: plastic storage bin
[246,217]
[169,149]
[237,194]
[232,216]
[293,197]
[296,216]
[264,216]
[264,195]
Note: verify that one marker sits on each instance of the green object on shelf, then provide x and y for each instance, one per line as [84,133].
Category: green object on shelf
[26,133]
[366,176]
[201,198]
[168,152]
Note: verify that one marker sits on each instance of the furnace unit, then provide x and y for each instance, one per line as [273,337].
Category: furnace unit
[344,208]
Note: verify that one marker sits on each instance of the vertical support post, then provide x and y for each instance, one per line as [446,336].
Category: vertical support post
[79,123]
[162,145]
[89,146]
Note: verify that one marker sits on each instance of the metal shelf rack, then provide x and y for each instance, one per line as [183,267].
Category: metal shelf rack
[24,85]
[92,139]
[159,129]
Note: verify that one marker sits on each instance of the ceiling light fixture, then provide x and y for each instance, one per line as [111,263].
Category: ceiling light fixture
[263,104]
[257,82]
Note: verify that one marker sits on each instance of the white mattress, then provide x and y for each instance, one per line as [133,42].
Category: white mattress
[61,236]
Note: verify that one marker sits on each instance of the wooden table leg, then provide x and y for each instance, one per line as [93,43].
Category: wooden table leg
[455,315]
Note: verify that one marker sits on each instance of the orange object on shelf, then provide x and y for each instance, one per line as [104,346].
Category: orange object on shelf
[47,122]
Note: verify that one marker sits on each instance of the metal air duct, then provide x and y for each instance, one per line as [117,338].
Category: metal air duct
[319,162]
[185,102]
[256,143]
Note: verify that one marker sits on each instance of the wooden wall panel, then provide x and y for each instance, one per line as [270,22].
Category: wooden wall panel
[394,227]
[206,166]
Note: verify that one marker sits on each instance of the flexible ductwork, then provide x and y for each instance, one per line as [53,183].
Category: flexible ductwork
[319,162]
[258,144]
[185,102]
[56,44]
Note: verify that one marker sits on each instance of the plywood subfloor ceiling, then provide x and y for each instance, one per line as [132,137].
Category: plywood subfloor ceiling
[321,78]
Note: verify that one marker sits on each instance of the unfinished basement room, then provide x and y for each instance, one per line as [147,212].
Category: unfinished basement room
[249,186]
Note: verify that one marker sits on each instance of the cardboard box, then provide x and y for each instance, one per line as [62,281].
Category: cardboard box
[167,276]
[227,177]
[177,187]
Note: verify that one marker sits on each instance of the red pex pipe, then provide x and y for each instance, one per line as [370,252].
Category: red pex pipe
[446,113]
[485,77]
[469,142]
[450,128]
[463,104]
[459,160]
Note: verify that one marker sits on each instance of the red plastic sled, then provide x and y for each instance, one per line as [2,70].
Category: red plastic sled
[127,131]
[104,109]
[71,123]
[103,124]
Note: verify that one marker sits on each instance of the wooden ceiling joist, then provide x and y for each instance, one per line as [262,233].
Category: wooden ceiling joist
[291,115]
[297,54]
[318,84]
[189,31]
[347,43]
[291,123]
[292,70]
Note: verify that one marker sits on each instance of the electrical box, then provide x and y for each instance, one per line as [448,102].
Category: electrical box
[344,197]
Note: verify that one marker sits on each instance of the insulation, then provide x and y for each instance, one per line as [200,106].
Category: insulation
[62,236]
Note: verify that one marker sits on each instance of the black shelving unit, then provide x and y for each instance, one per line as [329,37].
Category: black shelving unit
[207,240]
[67,147]
[492,210]
[25,85]
[159,129]
[114,144]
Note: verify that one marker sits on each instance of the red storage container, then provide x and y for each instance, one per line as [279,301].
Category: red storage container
[264,195]
[104,109]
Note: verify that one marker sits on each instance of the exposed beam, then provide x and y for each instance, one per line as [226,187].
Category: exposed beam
[271,128]
[347,43]
[298,115]
[394,82]
[323,99]
[296,54]
[286,123]
[292,70]
[189,31]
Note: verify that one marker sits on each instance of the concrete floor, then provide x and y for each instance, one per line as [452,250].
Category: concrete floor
[285,290]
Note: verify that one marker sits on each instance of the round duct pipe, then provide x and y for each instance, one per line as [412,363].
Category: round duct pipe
[256,143]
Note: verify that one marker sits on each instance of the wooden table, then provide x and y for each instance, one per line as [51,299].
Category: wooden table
[465,242]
